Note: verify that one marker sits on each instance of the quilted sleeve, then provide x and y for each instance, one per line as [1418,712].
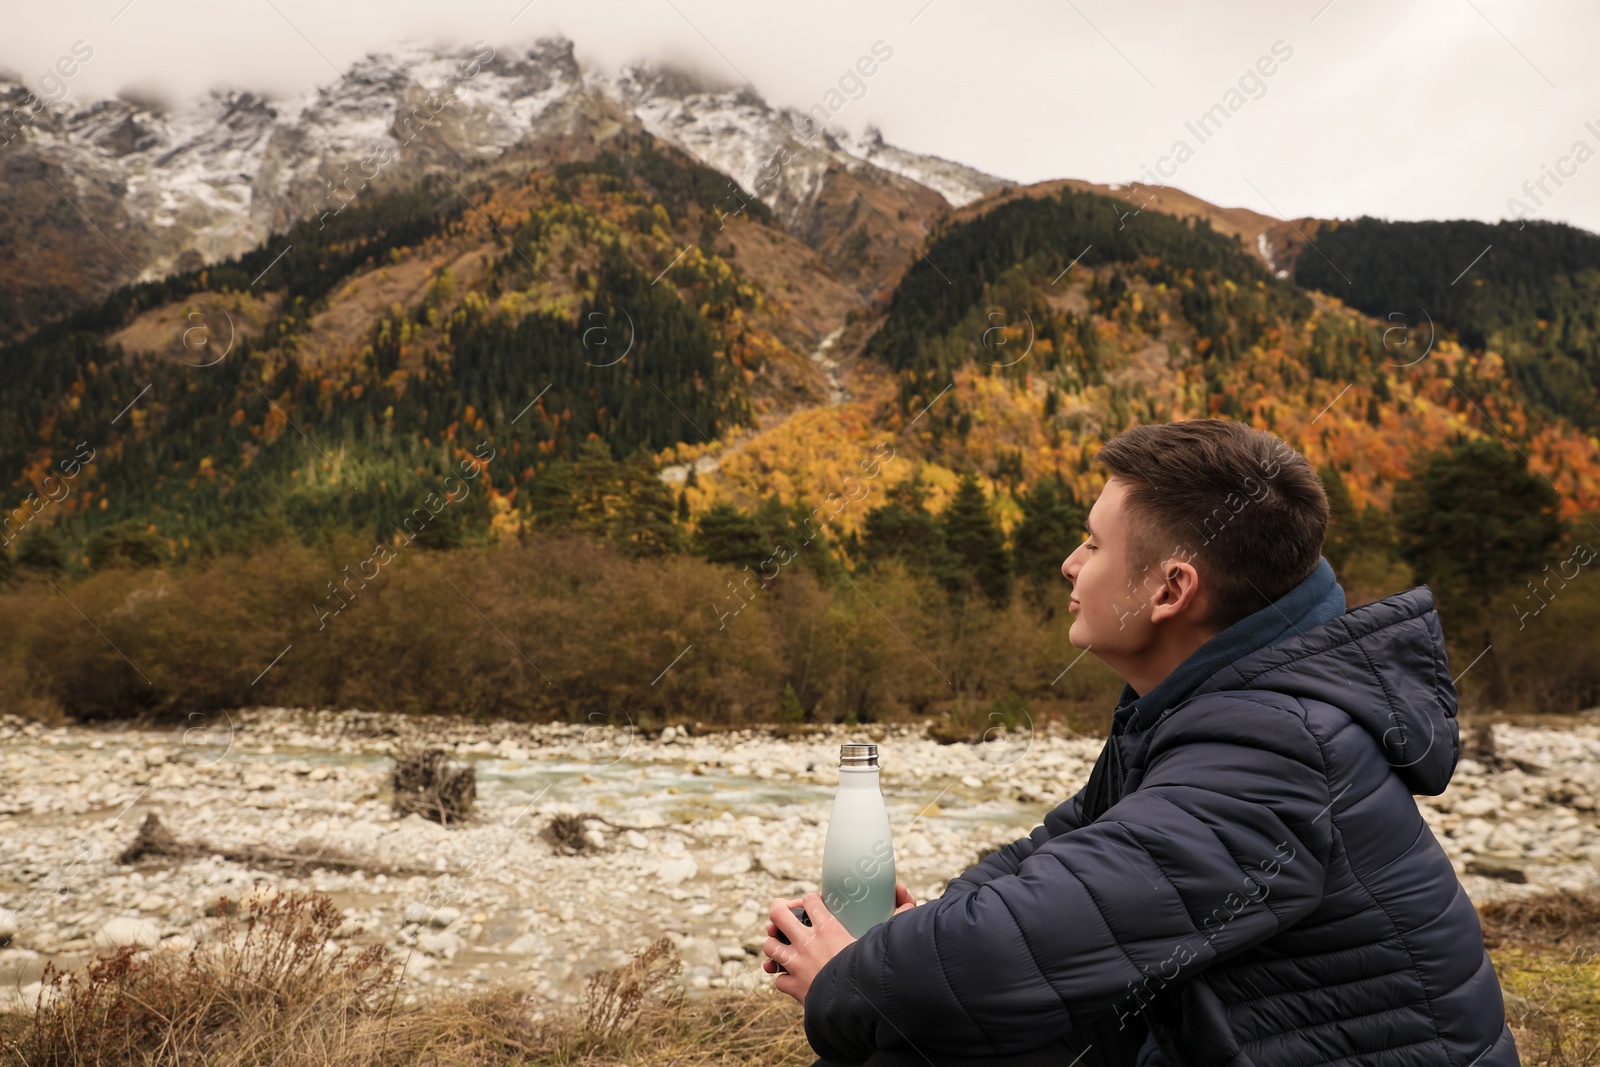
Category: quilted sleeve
[1068,815]
[1224,843]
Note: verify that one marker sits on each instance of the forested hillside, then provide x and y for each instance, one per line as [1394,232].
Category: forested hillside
[646,475]
[341,410]
[1528,292]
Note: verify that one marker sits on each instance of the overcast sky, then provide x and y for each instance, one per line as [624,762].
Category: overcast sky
[1422,109]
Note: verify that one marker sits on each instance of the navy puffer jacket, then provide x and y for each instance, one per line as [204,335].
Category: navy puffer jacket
[1263,891]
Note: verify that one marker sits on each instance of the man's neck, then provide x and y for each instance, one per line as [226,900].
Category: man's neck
[1146,671]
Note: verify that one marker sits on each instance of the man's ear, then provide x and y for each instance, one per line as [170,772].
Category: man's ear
[1177,591]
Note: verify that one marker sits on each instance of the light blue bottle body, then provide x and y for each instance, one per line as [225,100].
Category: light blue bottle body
[858,852]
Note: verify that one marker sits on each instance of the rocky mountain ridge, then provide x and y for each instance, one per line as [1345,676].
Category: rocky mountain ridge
[111,192]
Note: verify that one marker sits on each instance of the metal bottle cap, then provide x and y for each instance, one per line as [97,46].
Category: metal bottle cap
[858,754]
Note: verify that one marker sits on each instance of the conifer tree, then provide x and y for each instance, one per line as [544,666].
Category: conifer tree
[903,529]
[1051,528]
[724,534]
[975,545]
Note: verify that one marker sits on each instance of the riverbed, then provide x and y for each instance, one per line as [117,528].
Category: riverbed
[691,836]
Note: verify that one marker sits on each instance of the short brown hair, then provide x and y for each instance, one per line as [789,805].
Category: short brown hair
[1250,509]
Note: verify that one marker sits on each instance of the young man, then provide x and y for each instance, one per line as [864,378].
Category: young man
[1245,878]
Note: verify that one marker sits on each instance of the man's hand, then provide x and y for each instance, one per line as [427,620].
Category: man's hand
[809,947]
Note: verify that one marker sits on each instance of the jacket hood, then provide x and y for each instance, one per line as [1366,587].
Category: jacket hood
[1384,664]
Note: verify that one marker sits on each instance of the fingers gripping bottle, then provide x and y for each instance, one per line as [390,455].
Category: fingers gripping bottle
[858,854]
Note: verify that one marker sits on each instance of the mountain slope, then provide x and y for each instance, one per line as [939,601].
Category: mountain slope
[332,382]
[1013,352]
[1528,292]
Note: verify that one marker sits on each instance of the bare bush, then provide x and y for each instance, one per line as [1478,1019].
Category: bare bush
[427,783]
[565,833]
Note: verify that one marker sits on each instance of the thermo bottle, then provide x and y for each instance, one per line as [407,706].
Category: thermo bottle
[858,854]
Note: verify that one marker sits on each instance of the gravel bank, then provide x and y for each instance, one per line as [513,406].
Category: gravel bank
[699,833]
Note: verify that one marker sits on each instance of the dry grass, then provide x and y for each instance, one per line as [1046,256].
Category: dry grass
[265,991]
[258,982]
[1561,918]
[1546,950]
[614,997]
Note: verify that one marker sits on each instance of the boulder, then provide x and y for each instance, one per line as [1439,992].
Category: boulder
[733,863]
[675,870]
[443,944]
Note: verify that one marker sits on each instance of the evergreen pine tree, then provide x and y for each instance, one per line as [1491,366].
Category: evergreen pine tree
[976,546]
[1343,536]
[724,534]
[644,524]
[553,495]
[789,707]
[42,550]
[1051,528]
[1473,522]
[902,529]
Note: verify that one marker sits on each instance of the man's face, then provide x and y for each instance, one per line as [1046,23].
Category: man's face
[1111,605]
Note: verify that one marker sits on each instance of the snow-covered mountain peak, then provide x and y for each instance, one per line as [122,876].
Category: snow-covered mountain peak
[198,180]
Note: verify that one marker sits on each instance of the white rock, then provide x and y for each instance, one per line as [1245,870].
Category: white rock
[635,839]
[444,917]
[444,944]
[971,781]
[672,871]
[648,818]
[734,863]
[744,917]
[596,838]
[119,932]
[917,845]
[10,926]
[730,952]
[525,944]
[418,913]
[668,733]
[783,863]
